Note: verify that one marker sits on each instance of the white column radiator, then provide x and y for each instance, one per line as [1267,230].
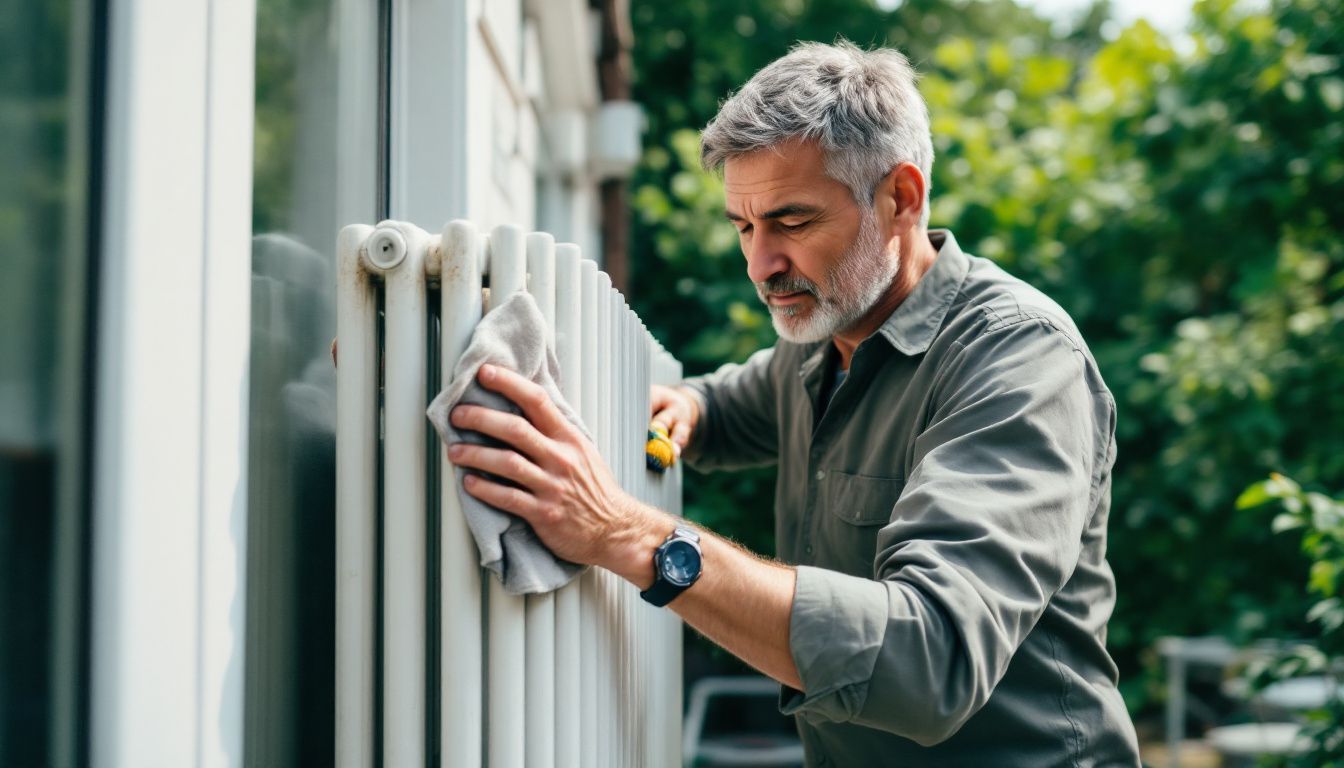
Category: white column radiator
[435,663]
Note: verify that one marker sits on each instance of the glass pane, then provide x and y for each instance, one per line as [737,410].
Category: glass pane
[316,169]
[44,132]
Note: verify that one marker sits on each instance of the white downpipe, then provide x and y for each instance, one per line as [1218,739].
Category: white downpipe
[540,609]
[400,250]
[461,718]
[568,641]
[507,652]
[356,468]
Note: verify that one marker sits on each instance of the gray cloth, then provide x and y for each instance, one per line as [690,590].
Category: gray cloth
[512,335]
[947,514]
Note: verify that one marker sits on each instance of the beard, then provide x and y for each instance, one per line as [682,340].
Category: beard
[853,286]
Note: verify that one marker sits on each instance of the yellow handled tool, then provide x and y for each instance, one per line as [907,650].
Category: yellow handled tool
[658,451]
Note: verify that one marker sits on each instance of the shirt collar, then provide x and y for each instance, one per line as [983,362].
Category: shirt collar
[912,326]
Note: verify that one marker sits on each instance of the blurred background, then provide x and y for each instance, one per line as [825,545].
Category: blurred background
[1172,174]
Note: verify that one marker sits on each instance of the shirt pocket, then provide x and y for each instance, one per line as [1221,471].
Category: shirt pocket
[855,509]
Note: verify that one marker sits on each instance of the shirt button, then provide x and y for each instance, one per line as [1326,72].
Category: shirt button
[808,549]
[821,474]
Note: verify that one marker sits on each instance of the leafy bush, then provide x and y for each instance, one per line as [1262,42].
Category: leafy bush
[1320,519]
[1184,202]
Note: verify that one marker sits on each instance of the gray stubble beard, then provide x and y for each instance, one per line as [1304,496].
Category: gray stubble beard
[855,283]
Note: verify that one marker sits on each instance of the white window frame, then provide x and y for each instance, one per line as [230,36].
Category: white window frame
[169,512]
[169,518]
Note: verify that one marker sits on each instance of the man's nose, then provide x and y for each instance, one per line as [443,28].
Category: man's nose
[765,258]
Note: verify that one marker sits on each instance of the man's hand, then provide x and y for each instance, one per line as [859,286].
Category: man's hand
[577,509]
[567,492]
[678,410]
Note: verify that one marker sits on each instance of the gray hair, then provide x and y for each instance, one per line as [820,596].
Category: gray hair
[862,107]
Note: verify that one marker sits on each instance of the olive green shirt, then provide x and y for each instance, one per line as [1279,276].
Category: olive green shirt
[947,515]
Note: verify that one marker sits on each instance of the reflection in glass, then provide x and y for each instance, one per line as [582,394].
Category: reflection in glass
[44,141]
[315,169]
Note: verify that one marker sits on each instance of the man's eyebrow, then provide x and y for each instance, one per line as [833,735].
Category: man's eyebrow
[789,209]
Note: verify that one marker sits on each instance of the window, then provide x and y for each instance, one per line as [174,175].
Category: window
[45,306]
[316,168]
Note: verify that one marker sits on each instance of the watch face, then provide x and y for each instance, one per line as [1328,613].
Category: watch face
[680,563]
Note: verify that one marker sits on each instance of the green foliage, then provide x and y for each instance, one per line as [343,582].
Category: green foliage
[1225,345]
[1184,202]
[688,274]
[1320,521]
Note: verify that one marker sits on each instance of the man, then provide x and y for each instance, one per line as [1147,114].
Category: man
[944,443]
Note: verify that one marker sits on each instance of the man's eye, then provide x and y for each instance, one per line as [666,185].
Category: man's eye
[792,227]
[744,230]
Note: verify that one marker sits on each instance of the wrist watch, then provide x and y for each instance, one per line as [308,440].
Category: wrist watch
[676,566]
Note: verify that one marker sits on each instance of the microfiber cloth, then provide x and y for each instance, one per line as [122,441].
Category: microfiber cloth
[512,335]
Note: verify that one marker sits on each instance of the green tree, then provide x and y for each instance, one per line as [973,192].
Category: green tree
[1320,521]
[688,278]
[1184,202]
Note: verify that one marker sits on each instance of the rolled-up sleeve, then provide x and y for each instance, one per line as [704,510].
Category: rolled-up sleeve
[987,529]
[738,422]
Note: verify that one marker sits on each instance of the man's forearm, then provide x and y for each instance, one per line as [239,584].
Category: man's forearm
[741,602]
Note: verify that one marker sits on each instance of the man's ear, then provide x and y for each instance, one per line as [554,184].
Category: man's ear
[899,198]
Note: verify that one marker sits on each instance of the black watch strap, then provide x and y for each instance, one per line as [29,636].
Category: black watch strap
[662,592]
